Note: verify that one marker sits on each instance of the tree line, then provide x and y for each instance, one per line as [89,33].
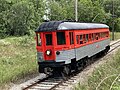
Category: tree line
[20,17]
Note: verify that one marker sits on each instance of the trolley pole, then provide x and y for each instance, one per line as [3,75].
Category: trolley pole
[76,10]
[113,15]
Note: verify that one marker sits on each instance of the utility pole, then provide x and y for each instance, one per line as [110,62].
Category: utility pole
[113,15]
[76,10]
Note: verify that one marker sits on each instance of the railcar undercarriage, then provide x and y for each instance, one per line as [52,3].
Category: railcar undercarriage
[67,69]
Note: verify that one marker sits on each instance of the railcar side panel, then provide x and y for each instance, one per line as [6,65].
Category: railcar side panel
[81,52]
[91,49]
[66,55]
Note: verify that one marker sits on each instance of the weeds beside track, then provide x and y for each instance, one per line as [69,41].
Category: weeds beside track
[17,58]
[106,76]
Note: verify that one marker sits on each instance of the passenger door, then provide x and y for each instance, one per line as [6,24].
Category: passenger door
[49,46]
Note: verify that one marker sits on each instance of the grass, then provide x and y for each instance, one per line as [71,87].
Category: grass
[117,35]
[17,58]
[106,77]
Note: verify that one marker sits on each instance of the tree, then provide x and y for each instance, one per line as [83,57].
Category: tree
[117,24]
[85,10]
[108,7]
[18,17]
[4,10]
[61,9]
[38,11]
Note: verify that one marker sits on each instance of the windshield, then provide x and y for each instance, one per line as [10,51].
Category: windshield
[38,39]
[48,39]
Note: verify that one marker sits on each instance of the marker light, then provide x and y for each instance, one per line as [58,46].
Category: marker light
[57,52]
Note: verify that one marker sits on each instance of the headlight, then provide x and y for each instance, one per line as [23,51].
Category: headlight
[48,52]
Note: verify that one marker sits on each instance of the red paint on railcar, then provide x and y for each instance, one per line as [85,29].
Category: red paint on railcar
[73,39]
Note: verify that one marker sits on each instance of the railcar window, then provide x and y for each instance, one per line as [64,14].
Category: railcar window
[107,34]
[77,38]
[100,35]
[92,36]
[96,36]
[61,38]
[84,38]
[71,38]
[81,39]
[87,37]
[48,39]
[103,35]
[38,40]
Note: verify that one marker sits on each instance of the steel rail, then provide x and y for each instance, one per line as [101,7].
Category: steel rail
[115,42]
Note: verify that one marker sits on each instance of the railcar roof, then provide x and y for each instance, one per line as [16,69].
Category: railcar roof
[63,25]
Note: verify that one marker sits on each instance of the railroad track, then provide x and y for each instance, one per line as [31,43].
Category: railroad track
[52,83]
[114,42]
[114,45]
[48,83]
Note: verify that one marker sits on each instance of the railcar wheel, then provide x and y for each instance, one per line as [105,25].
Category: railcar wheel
[48,70]
[104,52]
[84,62]
[66,71]
[79,66]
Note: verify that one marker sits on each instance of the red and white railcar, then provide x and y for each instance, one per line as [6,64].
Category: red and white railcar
[61,43]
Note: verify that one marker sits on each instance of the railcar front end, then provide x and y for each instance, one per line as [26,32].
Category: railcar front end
[47,51]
